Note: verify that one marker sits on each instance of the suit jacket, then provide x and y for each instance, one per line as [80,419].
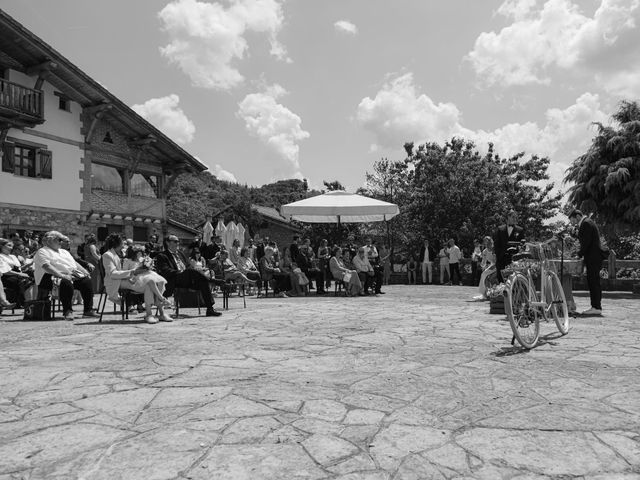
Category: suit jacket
[590,247]
[501,241]
[167,267]
[432,254]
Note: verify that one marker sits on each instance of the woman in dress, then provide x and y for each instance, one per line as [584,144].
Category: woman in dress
[117,277]
[136,258]
[234,252]
[249,269]
[92,256]
[488,266]
[385,261]
[352,282]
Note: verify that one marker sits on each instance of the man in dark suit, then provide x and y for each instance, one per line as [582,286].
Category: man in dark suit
[173,265]
[510,232]
[593,253]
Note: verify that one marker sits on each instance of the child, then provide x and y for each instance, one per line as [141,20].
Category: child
[412,268]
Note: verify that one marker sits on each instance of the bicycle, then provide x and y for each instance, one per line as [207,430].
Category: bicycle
[524,306]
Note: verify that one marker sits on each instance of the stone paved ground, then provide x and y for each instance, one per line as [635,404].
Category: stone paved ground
[419,383]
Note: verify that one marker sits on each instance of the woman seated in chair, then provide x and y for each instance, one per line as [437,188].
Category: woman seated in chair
[13,278]
[4,303]
[249,269]
[136,258]
[271,272]
[116,277]
[231,272]
[352,282]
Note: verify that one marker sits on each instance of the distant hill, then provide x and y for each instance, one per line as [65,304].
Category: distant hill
[192,196]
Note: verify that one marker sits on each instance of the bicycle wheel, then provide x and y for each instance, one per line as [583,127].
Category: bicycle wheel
[523,319]
[559,310]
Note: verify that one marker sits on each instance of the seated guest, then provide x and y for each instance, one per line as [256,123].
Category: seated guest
[352,282]
[117,277]
[249,269]
[173,265]
[197,262]
[298,280]
[52,261]
[347,259]
[234,252]
[136,259]
[324,254]
[366,272]
[153,247]
[270,272]
[14,278]
[231,272]
[305,263]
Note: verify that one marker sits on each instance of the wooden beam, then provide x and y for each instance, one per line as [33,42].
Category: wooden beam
[143,141]
[98,112]
[3,136]
[134,162]
[170,181]
[100,107]
[42,76]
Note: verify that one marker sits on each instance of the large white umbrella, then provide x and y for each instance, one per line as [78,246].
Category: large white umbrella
[339,207]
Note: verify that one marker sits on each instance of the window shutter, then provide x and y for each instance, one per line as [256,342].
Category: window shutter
[7,157]
[46,169]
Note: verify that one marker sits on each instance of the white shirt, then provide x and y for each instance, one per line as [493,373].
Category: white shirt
[454,254]
[426,258]
[509,230]
[7,262]
[60,260]
[362,264]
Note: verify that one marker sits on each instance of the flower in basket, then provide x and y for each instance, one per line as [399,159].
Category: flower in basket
[604,273]
[495,291]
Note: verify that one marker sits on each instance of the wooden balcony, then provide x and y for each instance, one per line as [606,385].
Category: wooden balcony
[20,106]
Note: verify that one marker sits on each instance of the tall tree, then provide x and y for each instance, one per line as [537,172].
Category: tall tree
[452,190]
[606,179]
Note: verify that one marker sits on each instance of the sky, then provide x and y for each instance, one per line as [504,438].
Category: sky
[263,90]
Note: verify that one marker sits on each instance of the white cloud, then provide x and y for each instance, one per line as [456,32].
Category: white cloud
[276,126]
[345,26]
[399,113]
[207,38]
[222,174]
[557,35]
[165,114]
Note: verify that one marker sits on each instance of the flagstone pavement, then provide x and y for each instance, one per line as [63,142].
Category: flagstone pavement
[420,383]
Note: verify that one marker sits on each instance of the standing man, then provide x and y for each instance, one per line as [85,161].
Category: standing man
[173,265]
[510,232]
[593,253]
[294,250]
[427,254]
[454,262]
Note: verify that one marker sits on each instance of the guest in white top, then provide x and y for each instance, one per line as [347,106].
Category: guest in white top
[52,261]
[443,255]
[454,258]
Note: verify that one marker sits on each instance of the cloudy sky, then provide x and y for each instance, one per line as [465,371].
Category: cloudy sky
[261,90]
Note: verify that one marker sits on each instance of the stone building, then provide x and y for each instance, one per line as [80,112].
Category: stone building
[275,226]
[74,157]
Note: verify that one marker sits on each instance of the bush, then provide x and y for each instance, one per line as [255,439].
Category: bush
[627,247]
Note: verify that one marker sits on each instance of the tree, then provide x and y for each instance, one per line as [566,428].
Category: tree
[606,179]
[452,190]
[332,186]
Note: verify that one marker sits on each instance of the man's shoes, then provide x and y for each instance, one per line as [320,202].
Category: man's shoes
[212,313]
[592,312]
[321,292]
[8,305]
[380,292]
[151,319]
[165,318]
[90,314]
[68,315]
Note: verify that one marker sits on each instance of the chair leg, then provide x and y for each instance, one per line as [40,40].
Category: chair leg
[244,296]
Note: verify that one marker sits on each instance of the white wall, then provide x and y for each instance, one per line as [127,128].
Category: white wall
[63,191]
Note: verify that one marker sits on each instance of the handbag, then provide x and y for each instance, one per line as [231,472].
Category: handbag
[346,277]
[37,310]
[302,279]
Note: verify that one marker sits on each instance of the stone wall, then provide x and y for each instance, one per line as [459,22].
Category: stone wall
[22,217]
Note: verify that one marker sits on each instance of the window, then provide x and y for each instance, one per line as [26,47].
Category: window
[64,104]
[144,185]
[107,138]
[26,160]
[107,178]
[63,101]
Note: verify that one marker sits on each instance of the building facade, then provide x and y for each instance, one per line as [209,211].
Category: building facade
[74,157]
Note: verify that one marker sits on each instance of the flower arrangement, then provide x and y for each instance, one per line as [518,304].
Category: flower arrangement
[147,262]
[495,291]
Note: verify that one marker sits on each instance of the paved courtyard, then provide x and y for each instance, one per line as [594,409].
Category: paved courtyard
[419,383]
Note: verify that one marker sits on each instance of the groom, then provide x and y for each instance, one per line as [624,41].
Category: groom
[510,232]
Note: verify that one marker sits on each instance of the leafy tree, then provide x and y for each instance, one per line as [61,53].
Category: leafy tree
[452,190]
[333,186]
[606,179]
